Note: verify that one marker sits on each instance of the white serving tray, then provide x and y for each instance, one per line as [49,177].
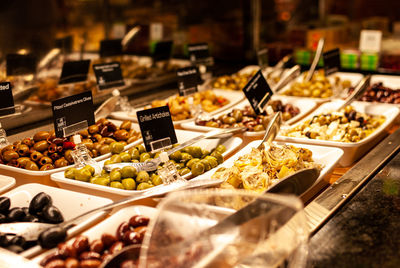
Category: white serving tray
[23,171]
[234,98]
[71,204]
[353,77]
[183,135]
[352,151]
[6,182]
[109,225]
[326,156]
[305,105]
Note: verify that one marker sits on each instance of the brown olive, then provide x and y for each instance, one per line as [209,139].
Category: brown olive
[10,147]
[13,163]
[104,149]
[121,135]
[84,133]
[57,263]
[53,156]
[23,150]
[71,263]
[132,139]
[127,125]
[41,135]
[105,132]
[22,161]
[68,156]
[108,240]
[96,146]
[117,246]
[58,141]
[46,167]
[9,155]
[35,156]
[66,250]
[81,244]
[141,230]
[122,228]
[89,263]
[97,137]
[30,165]
[108,140]
[52,148]
[45,160]
[41,146]
[138,220]
[62,162]
[93,129]
[51,257]
[97,246]
[89,255]
[102,121]
[28,141]
[131,237]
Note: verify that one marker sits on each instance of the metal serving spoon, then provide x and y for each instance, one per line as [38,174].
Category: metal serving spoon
[272,130]
[358,91]
[317,56]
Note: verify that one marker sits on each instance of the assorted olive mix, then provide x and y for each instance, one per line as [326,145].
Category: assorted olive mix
[84,253]
[379,93]
[45,151]
[246,117]
[191,160]
[41,209]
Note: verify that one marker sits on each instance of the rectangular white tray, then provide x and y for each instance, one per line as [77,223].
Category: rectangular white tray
[305,105]
[326,156]
[109,225]
[231,144]
[71,204]
[234,98]
[352,151]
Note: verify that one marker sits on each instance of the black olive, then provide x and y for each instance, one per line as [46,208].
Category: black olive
[31,218]
[4,204]
[38,202]
[26,210]
[3,218]
[51,214]
[18,240]
[4,242]
[51,237]
[15,248]
[16,214]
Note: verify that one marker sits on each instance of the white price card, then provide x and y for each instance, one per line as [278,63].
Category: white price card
[370,41]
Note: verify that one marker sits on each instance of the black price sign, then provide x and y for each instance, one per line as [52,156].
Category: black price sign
[65,44]
[20,64]
[162,51]
[331,61]
[72,114]
[258,92]
[6,99]
[157,128]
[110,47]
[74,71]
[188,79]
[199,53]
[108,75]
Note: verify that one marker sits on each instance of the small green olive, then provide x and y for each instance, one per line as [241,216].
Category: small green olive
[90,169]
[70,173]
[197,168]
[134,153]
[116,158]
[205,152]
[128,172]
[100,180]
[115,175]
[142,176]
[218,156]
[104,149]
[143,186]
[195,151]
[179,165]
[184,171]
[176,156]
[191,162]
[108,162]
[220,148]
[125,157]
[82,175]
[129,184]
[116,147]
[141,148]
[116,184]
[144,157]
[212,160]
[186,157]
[206,163]
[156,179]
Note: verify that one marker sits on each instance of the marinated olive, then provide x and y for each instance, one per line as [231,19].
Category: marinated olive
[183,171]
[143,186]
[220,149]
[191,162]
[127,125]
[129,184]
[100,180]
[61,162]
[30,165]
[195,151]
[134,153]
[4,204]
[46,167]
[116,147]
[23,150]
[41,146]
[128,172]
[144,157]
[90,169]
[9,155]
[108,240]
[93,129]
[82,175]
[121,135]
[141,148]
[116,158]
[156,179]
[41,135]
[218,156]
[186,157]
[125,157]
[206,164]
[45,160]
[39,202]
[70,173]
[116,184]
[176,156]
[49,238]
[36,156]
[138,220]
[197,168]
[22,161]
[142,176]
[115,175]
[104,149]
[212,160]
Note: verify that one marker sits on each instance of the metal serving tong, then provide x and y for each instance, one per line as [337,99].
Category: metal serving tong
[289,76]
[358,91]
[151,165]
[317,56]
[272,130]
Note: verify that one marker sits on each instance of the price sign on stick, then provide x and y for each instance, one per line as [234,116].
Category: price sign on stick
[157,128]
[6,99]
[199,54]
[258,92]
[74,71]
[188,79]
[18,64]
[108,75]
[73,114]
[262,58]
[331,61]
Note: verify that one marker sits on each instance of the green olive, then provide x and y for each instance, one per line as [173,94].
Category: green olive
[205,152]
[115,175]
[100,180]
[212,124]
[229,120]
[125,157]
[195,151]
[83,175]
[179,165]
[108,162]
[104,149]
[144,157]
[156,179]
[142,176]
[116,147]
[135,161]
[143,186]
[212,160]
[220,148]
[116,184]
[206,163]
[129,184]
[197,168]
[128,172]
[30,165]
[184,171]
[186,157]
[191,162]
[70,173]
[177,156]
[141,148]
[90,168]
[116,158]
[134,153]
[41,146]
[218,156]
[238,115]
[259,128]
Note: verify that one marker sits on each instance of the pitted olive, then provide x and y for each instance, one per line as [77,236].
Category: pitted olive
[46,167]
[23,150]
[28,141]
[62,162]
[22,161]
[41,135]
[41,146]
[127,125]
[45,160]
[30,165]
[10,147]
[9,155]
[35,156]
[52,148]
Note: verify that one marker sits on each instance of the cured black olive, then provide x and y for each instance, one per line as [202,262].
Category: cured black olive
[38,202]
[18,240]
[3,218]
[51,237]
[51,214]
[4,242]
[4,204]
[31,218]
[15,248]
[16,214]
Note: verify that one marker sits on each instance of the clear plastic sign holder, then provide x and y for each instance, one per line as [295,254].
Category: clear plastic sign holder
[81,155]
[123,102]
[11,111]
[3,137]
